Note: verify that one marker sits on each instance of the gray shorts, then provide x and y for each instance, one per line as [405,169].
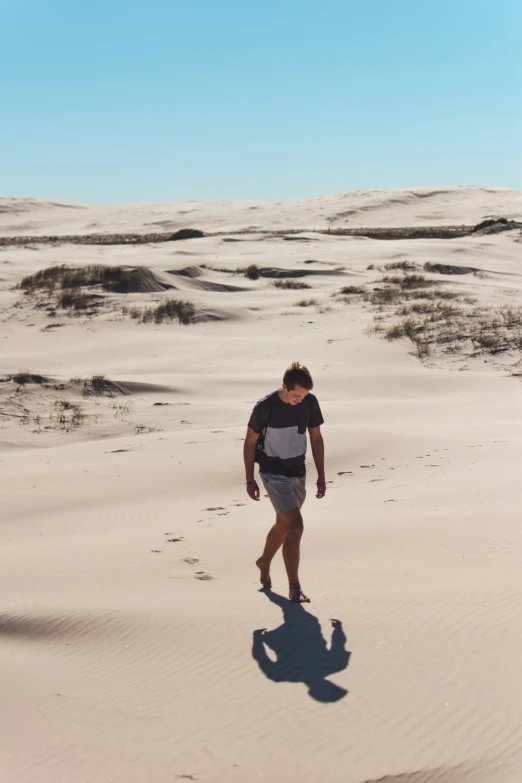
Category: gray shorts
[286,493]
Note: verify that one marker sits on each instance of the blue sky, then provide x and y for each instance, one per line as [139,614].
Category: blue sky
[116,102]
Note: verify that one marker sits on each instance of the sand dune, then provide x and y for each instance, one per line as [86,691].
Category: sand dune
[135,644]
[411,207]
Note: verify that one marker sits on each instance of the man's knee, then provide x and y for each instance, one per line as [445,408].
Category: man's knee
[292,520]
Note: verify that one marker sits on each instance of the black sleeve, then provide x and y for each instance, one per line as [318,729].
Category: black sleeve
[316,417]
[259,417]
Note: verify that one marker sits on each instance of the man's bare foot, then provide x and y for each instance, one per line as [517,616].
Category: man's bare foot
[297,596]
[265,573]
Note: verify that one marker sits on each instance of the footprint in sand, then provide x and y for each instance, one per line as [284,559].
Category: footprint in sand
[203,576]
[214,508]
[190,560]
[157,551]
[366,466]
[344,472]
[174,540]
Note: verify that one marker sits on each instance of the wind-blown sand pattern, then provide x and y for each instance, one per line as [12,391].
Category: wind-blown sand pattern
[136,647]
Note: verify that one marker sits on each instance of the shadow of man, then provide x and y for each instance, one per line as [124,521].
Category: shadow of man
[301,650]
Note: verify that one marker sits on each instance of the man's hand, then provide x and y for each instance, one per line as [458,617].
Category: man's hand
[321,487]
[253,490]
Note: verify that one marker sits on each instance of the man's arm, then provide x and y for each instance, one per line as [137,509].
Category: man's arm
[317,444]
[249,454]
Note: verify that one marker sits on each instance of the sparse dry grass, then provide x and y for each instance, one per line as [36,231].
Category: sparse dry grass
[435,309]
[405,266]
[37,405]
[67,416]
[62,287]
[96,386]
[25,376]
[384,296]
[451,328]
[408,282]
[351,289]
[78,301]
[170,310]
[113,279]
[289,284]
[438,321]
[306,303]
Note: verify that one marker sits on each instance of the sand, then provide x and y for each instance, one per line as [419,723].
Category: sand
[136,647]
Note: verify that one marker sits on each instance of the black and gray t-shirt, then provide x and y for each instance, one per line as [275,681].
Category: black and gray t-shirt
[285,440]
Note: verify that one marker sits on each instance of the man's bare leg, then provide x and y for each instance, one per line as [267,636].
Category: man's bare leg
[274,539]
[291,553]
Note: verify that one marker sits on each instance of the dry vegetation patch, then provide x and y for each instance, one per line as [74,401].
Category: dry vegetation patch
[30,402]
[170,310]
[449,269]
[64,288]
[66,416]
[111,279]
[306,303]
[408,282]
[404,266]
[24,377]
[46,406]
[452,329]
[428,266]
[438,321]
[290,284]
[348,290]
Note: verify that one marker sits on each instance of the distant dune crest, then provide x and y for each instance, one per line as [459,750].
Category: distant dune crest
[362,208]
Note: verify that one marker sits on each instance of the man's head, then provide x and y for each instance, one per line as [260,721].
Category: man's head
[297,382]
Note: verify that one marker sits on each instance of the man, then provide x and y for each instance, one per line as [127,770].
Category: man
[281,419]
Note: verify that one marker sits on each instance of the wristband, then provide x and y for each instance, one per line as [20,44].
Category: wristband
[250,482]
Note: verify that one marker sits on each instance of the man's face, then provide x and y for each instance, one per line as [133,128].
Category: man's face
[296,395]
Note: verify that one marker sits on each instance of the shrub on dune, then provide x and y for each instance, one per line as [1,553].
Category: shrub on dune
[252,272]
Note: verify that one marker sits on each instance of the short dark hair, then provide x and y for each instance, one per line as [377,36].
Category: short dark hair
[298,375]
